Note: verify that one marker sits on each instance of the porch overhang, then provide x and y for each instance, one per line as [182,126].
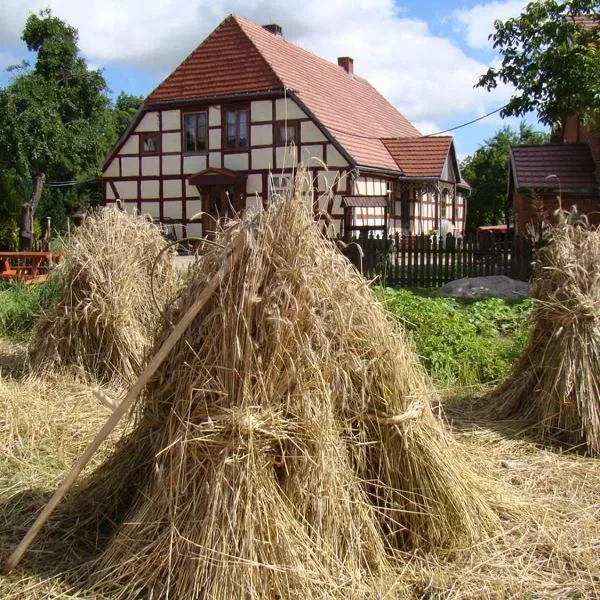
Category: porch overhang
[364,201]
[214,176]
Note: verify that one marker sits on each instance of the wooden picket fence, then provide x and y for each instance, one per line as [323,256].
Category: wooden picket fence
[431,261]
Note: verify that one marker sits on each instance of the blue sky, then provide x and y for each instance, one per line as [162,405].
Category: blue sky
[425,57]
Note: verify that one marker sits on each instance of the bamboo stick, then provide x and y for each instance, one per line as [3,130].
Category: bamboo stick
[125,405]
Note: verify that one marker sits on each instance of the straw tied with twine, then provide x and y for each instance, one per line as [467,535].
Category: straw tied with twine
[284,445]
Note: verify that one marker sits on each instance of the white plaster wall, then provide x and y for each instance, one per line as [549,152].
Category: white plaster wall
[253,204]
[109,193]
[311,155]
[149,189]
[194,229]
[337,205]
[113,169]
[171,119]
[149,122]
[286,157]
[152,209]
[150,165]
[214,139]
[286,108]
[172,188]
[192,208]
[171,142]
[193,164]
[131,208]
[191,191]
[342,182]
[215,160]
[261,135]
[214,116]
[261,110]
[127,190]
[326,180]
[236,162]
[172,209]
[323,202]
[334,158]
[171,164]
[131,146]
[262,158]
[310,133]
[254,183]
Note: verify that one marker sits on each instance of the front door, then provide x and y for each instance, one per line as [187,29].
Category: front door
[219,203]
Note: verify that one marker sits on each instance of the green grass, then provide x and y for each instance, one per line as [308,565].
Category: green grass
[462,342]
[20,306]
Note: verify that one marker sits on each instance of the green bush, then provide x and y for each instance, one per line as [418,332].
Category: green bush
[462,343]
[9,234]
[20,306]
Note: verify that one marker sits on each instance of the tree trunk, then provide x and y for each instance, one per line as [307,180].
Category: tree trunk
[27,213]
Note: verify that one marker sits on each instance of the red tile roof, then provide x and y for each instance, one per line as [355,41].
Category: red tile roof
[420,156]
[240,56]
[226,62]
[532,166]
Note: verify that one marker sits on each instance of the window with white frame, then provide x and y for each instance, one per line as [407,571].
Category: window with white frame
[279,185]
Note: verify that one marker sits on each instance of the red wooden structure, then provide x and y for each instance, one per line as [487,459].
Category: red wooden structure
[26,267]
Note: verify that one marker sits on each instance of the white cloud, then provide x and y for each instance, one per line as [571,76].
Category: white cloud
[428,77]
[427,127]
[478,22]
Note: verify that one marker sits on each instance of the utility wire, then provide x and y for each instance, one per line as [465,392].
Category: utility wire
[69,183]
[468,122]
[378,137]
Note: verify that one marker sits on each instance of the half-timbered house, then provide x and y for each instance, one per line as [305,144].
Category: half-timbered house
[225,130]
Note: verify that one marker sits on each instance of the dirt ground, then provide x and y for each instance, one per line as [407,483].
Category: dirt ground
[548,545]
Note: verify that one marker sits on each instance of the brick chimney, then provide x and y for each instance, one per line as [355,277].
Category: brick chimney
[347,64]
[274,29]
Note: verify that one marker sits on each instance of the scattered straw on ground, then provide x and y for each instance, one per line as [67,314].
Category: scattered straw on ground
[547,549]
[556,382]
[105,319]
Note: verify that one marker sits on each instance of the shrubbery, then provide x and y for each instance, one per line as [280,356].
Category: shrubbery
[462,342]
[20,306]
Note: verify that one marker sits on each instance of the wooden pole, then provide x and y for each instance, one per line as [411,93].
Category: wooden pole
[125,405]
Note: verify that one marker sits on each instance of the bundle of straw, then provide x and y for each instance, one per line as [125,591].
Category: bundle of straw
[286,448]
[556,382]
[105,317]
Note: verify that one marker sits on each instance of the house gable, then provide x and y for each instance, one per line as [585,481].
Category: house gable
[227,62]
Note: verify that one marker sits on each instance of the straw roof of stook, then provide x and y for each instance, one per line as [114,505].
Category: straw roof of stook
[105,317]
[286,448]
[556,382]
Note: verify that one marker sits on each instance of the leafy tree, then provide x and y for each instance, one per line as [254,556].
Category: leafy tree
[54,118]
[486,171]
[551,58]
[125,108]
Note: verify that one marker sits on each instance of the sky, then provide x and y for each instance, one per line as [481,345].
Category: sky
[425,57]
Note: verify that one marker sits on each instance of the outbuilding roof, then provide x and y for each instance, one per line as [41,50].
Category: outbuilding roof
[420,156]
[557,166]
[240,57]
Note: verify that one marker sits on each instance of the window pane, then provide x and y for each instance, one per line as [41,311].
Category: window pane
[242,128]
[291,133]
[190,134]
[201,131]
[150,143]
[231,129]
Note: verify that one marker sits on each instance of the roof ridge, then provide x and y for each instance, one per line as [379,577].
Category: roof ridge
[312,55]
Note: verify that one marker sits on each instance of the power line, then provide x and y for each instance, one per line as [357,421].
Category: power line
[378,137]
[69,183]
[468,122]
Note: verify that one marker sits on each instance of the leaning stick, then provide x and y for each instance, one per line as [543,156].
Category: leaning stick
[129,399]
